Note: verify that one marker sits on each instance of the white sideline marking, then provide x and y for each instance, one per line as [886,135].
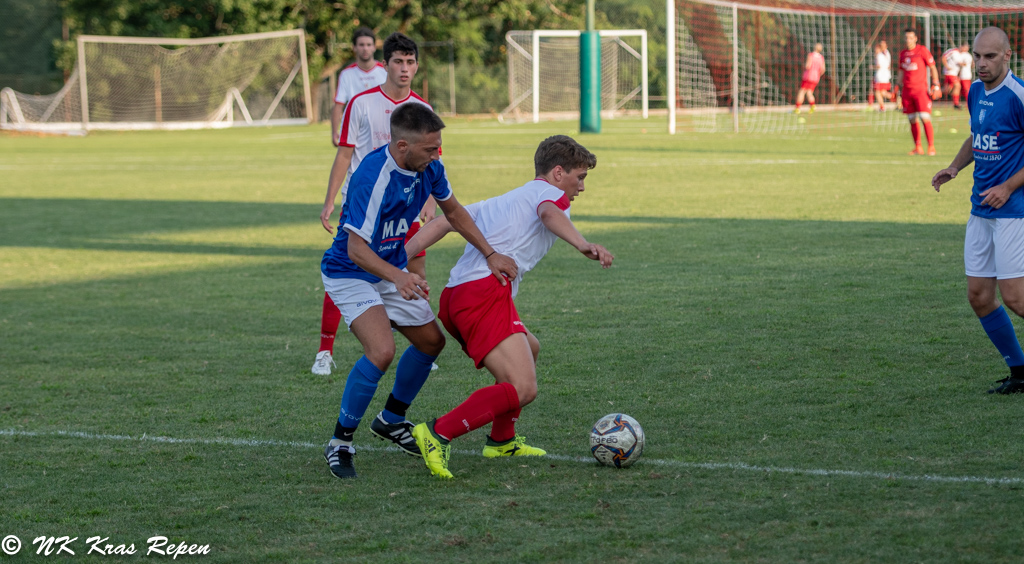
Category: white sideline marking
[736,466]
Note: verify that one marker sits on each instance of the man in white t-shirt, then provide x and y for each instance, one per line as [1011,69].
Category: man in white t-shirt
[951,74]
[361,75]
[966,74]
[883,75]
[479,311]
[366,126]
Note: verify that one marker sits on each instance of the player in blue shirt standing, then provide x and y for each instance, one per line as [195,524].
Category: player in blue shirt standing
[364,272]
[994,241]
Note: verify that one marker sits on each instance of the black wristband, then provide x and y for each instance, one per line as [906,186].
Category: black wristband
[489,256]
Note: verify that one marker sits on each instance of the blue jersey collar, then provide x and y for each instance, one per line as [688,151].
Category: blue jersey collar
[394,163]
[1007,78]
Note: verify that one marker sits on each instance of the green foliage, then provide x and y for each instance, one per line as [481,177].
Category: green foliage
[26,29]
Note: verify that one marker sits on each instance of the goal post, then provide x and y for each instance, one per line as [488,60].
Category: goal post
[544,73]
[737,65]
[125,83]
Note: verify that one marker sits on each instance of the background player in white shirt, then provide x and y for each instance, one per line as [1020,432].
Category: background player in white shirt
[883,74]
[951,62]
[367,126]
[362,75]
[480,313]
[966,68]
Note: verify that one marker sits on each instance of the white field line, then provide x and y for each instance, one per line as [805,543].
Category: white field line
[734,466]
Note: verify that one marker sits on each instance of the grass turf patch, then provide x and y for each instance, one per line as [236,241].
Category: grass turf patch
[791,301]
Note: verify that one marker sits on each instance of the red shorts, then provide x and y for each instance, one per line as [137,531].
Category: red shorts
[916,102]
[965,86]
[882,86]
[479,314]
[951,79]
[808,85]
[412,231]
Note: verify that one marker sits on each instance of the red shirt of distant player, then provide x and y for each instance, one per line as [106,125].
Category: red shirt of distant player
[914,63]
[812,74]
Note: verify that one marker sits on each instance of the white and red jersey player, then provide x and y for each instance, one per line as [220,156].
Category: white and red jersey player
[478,310]
[367,125]
[352,80]
[966,70]
[511,224]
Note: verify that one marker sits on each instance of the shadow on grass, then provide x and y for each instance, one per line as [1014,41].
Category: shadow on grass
[97,224]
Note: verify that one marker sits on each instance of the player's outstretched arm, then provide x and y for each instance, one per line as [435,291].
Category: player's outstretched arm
[429,234]
[409,284]
[501,266]
[557,222]
[964,157]
[338,171]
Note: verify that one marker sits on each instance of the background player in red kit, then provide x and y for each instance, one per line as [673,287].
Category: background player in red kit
[814,67]
[915,63]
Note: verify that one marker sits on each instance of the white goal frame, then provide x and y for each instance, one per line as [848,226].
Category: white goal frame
[535,62]
[11,116]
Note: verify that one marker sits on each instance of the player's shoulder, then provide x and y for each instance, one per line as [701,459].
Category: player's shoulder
[1015,85]
[366,96]
[414,97]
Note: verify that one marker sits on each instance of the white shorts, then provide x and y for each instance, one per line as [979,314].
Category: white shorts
[994,247]
[353,297]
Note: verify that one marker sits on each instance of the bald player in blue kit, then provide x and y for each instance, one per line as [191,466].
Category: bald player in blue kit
[994,239]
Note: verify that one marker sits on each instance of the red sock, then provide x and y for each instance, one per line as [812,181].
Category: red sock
[329,321]
[915,133]
[479,409]
[504,426]
[956,99]
[929,134]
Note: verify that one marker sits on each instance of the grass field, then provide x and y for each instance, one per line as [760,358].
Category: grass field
[786,317]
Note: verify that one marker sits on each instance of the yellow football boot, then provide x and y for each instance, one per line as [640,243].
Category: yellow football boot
[435,453]
[512,447]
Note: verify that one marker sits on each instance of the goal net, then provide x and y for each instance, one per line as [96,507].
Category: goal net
[544,73]
[160,83]
[737,66]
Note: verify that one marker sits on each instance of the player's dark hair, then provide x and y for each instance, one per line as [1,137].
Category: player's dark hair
[414,119]
[362,32]
[399,43]
[564,151]
[910,30]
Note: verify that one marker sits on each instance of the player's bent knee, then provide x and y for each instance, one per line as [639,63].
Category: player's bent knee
[1015,303]
[983,301]
[527,390]
[381,357]
[912,117]
[925,116]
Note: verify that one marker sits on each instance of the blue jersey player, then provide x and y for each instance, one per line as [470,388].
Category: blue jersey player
[364,272]
[994,241]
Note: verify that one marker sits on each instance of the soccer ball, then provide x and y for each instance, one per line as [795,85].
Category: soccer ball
[616,440]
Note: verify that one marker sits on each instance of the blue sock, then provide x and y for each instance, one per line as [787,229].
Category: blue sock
[359,389]
[413,369]
[1000,330]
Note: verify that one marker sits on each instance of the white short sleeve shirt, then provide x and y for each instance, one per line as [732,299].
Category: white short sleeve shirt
[367,125]
[352,80]
[511,224]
